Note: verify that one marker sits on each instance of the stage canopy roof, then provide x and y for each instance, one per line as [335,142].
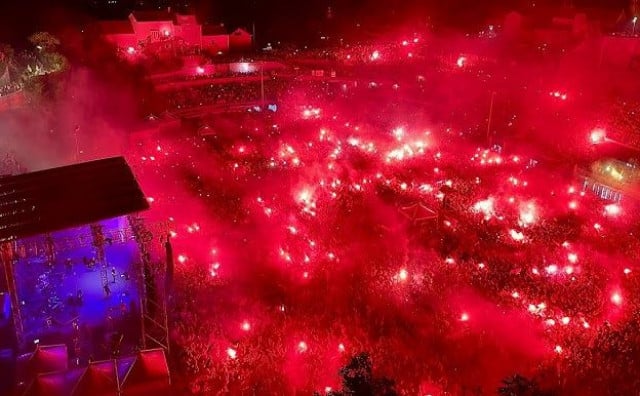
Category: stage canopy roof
[69,196]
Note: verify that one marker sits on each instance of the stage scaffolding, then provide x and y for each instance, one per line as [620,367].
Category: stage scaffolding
[6,256]
[40,213]
[150,275]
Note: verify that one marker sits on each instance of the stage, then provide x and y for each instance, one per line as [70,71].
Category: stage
[69,294]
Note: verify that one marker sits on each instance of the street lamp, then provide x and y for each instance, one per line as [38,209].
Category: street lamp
[635,20]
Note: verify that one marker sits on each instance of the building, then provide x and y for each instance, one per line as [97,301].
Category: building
[165,30]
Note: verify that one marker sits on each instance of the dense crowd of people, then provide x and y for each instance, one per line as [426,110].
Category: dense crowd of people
[10,88]
[347,226]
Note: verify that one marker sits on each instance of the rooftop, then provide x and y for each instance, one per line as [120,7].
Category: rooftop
[115,27]
[69,196]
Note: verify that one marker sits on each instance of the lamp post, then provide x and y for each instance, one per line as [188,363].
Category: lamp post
[635,21]
[262,84]
[75,135]
[493,97]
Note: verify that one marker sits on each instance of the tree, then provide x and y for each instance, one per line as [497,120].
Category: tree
[44,41]
[357,376]
[47,51]
[518,385]
[358,380]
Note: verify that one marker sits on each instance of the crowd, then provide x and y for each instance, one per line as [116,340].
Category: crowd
[10,88]
[311,213]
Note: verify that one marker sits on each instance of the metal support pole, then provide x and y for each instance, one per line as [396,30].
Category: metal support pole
[153,305]
[262,85]
[6,257]
[493,96]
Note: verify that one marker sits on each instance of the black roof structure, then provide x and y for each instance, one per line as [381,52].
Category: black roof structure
[69,196]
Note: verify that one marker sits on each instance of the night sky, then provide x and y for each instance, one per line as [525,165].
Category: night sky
[281,19]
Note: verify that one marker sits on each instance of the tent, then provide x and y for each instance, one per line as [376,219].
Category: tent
[148,375]
[54,384]
[98,379]
[45,359]
[418,212]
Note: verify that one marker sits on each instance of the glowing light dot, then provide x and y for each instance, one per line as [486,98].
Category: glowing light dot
[461,61]
[573,205]
[516,235]
[464,317]
[551,269]
[572,257]
[182,258]
[558,349]
[566,320]
[550,322]
[568,270]
[612,209]
[403,275]
[246,326]
[232,353]
[341,347]
[597,136]
[616,298]
[302,347]
[627,271]
[527,214]
[327,389]
[515,294]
